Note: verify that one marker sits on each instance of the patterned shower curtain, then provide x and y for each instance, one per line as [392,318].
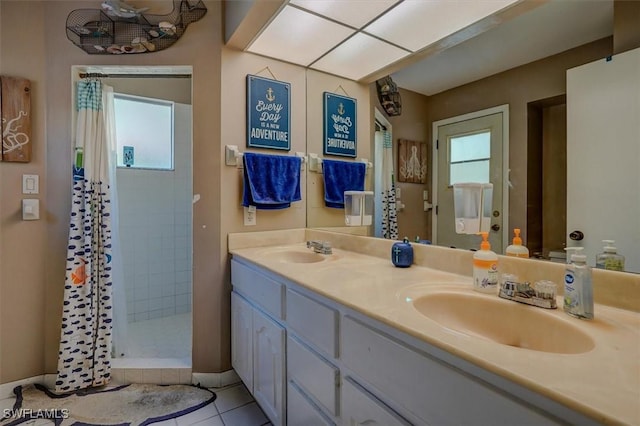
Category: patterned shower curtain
[84,359]
[389,212]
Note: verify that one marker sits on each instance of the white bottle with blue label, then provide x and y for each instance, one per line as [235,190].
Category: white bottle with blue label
[578,288]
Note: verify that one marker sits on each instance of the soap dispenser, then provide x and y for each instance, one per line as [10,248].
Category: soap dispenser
[517,249]
[402,254]
[578,288]
[485,267]
[610,259]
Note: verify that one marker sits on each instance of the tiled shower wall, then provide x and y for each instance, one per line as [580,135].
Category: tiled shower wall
[155,231]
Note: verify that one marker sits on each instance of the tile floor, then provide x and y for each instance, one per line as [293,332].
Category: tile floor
[234,406]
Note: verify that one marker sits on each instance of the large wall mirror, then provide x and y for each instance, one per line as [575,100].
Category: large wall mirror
[522,64]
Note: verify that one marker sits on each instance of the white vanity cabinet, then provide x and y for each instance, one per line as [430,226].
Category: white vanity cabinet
[313,361]
[258,340]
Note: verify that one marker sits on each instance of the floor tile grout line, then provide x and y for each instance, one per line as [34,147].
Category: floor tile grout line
[239,406]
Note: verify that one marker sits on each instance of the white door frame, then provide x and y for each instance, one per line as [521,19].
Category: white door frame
[504,109]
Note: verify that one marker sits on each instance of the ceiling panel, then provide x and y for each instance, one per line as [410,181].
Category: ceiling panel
[293,36]
[358,57]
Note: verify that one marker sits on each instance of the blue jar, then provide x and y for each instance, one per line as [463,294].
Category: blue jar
[402,254]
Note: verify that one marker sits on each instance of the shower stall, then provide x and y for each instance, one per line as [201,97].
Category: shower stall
[154,199]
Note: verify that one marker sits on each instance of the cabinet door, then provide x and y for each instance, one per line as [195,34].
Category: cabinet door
[268,367]
[361,408]
[242,339]
[300,411]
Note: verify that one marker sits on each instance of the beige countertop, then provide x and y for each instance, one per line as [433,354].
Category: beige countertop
[603,383]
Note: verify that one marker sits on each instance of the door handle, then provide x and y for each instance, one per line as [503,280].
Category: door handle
[495,227]
[576,235]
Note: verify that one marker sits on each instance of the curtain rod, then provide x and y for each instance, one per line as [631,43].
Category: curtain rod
[100,75]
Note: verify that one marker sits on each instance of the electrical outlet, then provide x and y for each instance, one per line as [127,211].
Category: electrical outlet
[249,216]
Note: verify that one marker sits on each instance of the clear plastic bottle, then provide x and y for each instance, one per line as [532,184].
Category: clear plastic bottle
[578,288]
[517,249]
[610,259]
[485,268]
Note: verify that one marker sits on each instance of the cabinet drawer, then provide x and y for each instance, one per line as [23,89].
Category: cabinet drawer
[300,411]
[257,287]
[313,320]
[313,374]
[426,387]
[362,408]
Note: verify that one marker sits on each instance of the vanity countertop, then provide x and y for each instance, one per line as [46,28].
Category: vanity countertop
[603,383]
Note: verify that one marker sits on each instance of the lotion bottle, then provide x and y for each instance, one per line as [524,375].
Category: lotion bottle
[517,249]
[578,288]
[485,267]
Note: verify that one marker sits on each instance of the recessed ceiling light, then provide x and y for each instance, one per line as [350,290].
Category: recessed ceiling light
[299,37]
[415,24]
[358,57]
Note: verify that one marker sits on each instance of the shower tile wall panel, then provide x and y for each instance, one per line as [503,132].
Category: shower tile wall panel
[155,227]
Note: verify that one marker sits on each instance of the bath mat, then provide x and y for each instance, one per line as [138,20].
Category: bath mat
[128,405]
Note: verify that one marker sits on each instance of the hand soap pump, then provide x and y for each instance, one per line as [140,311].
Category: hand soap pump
[578,288]
[517,249]
[485,267]
[610,259]
[402,254]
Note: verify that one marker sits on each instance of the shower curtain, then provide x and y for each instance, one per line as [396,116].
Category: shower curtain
[84,358]
[389,212]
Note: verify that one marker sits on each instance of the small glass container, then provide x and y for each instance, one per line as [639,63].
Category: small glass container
[545,289]
[509,284]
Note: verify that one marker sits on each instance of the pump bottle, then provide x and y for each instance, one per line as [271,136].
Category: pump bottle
[517,249]
[485,267]
[610,259]
[578,288]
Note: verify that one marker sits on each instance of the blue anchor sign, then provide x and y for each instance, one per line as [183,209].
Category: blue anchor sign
[339,125]
[268,113]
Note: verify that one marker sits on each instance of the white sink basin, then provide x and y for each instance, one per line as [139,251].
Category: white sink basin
[504,322]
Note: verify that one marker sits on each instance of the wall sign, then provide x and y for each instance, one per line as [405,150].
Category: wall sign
[268,113]
[412,161]
[15,126]
[127,156]
[339,125]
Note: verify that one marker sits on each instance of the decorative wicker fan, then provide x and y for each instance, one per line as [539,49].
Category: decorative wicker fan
[389,96]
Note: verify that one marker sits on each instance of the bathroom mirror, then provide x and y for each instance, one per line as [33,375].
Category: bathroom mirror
[485,49]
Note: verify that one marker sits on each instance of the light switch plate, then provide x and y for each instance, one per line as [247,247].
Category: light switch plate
[30,209]
[30,184]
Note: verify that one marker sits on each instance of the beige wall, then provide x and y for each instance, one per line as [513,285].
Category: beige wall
[626,31]
[318,215]
[30,328]
[170,89]
[23,244]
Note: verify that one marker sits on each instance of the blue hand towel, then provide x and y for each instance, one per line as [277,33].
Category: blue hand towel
[271,182]
[340,176]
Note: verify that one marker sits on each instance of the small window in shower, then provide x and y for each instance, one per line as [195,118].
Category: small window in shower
[144,132]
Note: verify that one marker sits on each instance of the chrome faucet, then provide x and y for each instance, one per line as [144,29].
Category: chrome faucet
[323,247]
